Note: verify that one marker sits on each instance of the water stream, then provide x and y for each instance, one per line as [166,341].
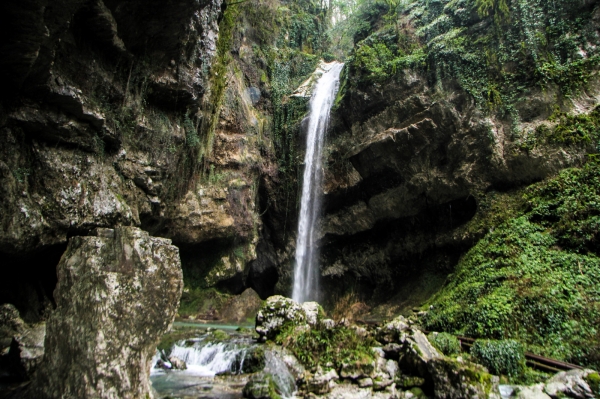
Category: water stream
[306,270]
[216,369]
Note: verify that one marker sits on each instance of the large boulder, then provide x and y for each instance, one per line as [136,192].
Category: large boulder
[117,294]
[531,392]
[279,312]
[416,353]
[392,332]
[572,383]
[453,379]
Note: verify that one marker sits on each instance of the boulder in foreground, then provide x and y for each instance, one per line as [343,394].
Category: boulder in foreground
[117,294]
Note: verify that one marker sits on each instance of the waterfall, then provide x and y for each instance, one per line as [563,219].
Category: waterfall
[306,270]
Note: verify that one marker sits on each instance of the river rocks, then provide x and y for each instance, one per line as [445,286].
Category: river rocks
[279,311]
[531,392]
[573,383]
[254,361]
[322,382]
[261,386]
[177,363]
[117,294]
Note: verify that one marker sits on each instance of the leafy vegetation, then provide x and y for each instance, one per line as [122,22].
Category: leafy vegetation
[198,301]
[505,357]
[329,348]
[496,50]
[446,343]
[536,277]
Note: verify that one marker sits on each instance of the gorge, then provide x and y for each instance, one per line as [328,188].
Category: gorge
[152,162]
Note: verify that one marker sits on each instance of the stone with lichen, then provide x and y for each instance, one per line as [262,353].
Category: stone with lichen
[117,294]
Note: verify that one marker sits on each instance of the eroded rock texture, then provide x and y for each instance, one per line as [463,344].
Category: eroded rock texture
[99,100]
[117,294]
[409,166]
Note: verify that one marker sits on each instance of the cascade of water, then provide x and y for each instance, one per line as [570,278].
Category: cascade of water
[211,358]
[306,268]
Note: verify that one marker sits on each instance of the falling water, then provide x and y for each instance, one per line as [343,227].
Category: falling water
[306,269]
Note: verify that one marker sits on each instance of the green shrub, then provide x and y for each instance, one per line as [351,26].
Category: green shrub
[446,343]
[500,357]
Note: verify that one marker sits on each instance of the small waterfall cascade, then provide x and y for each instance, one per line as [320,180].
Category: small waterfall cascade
[205,359]
[306,269]
[210,358]
[282,377]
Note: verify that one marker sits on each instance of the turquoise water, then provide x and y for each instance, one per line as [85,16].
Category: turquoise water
[214,326]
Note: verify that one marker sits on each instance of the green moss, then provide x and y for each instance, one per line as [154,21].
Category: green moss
[336,346]
[593,380]
[218,336]
[532,43]
[198,301]
[169,339]
[536,277]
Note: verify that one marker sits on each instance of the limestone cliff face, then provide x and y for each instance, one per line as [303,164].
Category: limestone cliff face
[408,169]
[99,113]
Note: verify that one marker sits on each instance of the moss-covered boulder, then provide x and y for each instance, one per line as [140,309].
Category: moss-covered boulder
[453,379]
[392,331]
[254,361]
[261,386]
[280,312]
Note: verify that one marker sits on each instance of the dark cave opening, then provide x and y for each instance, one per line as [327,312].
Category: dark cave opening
[29,281]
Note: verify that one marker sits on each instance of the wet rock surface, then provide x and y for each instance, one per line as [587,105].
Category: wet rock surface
[118,292]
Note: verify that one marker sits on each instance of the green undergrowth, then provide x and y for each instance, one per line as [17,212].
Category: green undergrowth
[198,301]
[446,343]
[565,129]
[506,357]
[536,277]
[328,348]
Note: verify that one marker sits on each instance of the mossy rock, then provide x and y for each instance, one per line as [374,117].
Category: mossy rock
[218,336]
[409,381]
[593,381]
[254,361]
[453,379]
[261,387]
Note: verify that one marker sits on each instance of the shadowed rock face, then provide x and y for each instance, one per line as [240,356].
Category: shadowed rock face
[408,166]
[93,99]
[117,294]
